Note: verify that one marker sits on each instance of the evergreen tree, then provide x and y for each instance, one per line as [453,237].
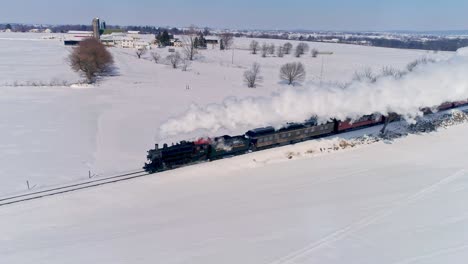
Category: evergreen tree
[221,44]
[201,41]
[164,38]
[8,26]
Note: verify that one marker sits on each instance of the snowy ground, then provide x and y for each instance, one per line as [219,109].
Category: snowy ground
[52,135]
[388,202]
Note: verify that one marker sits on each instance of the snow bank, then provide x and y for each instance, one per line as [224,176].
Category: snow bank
[427,85]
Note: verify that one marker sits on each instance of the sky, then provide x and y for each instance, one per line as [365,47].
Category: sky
[247,14]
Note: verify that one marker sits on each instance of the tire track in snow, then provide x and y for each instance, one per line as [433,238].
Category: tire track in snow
[433,254]
[366,221]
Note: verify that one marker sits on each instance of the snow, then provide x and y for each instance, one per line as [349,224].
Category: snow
[387,202]
[52,135]
[27,58]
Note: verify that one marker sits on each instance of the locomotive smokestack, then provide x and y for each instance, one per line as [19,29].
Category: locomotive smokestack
[156,146]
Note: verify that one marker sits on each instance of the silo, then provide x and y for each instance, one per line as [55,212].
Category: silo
[96,28]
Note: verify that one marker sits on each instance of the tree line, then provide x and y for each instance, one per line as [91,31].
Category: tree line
[432,43]
[88,27]
[279,51]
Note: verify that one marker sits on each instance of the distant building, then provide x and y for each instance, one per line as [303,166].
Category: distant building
[121,39]
[108,40]
[176,43]
[127,42]
[212,40]
[47,30]
[73,38]
[96,28]
[334,40]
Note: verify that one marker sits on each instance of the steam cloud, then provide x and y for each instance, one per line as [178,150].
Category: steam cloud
[427,85]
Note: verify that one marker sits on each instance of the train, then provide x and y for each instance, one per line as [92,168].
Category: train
[211,149]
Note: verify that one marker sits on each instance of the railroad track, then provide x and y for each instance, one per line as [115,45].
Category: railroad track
[70,188]
[88,184]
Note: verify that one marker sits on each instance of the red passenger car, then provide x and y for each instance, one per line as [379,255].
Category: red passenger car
[361,122]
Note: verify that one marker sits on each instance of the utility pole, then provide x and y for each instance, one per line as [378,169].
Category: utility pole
[232,55]
[321,72]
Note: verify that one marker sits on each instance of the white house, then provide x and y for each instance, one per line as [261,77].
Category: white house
[127,42]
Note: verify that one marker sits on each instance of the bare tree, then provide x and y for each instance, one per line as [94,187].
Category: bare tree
[174,59]
[271,49]
[315,53]
[367,75]
[252,77]
[156,57]
[190,49]
[287,48]
[254,45]
[292,72]
[280,52]
[227,39]
[412,65]
[185,64]
[140,52]
[301,49]
[91,58]
[264,50]
[388,71]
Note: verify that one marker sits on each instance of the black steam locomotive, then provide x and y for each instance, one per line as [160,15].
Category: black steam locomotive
[188,152]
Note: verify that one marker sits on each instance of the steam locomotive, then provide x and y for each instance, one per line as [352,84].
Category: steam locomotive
[209,149]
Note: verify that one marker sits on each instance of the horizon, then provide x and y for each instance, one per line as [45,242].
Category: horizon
[335,15]
[240,29]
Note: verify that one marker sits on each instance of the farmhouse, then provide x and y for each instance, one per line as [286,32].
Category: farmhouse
[123,40]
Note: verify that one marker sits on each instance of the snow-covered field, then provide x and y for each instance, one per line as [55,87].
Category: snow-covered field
[388,202]
[57,134]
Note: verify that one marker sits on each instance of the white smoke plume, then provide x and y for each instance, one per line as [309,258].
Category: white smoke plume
[427,85]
